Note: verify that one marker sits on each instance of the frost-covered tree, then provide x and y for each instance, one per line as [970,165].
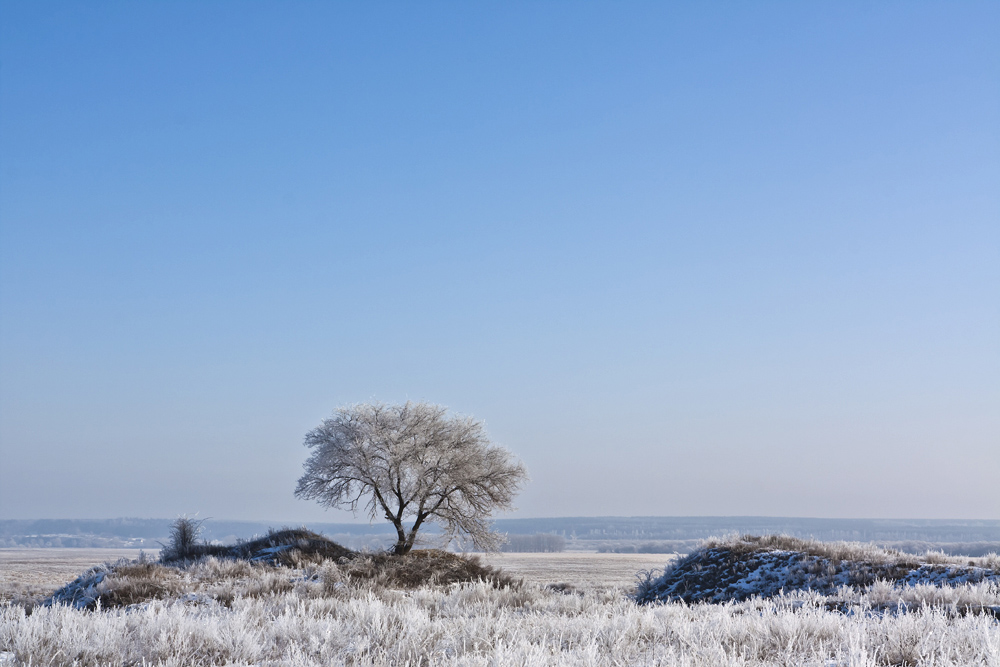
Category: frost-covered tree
[412,462]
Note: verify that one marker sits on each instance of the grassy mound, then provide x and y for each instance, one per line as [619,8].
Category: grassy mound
[288,546]
[737,569]
[277,563]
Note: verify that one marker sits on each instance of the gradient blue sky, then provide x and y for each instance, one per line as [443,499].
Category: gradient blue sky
[682,258]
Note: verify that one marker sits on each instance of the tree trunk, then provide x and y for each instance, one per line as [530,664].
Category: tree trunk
[402,547]
[408,544]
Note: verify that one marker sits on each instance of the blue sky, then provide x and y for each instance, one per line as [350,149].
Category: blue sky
[683,259]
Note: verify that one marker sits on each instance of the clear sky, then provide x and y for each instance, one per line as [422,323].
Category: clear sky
[682,258]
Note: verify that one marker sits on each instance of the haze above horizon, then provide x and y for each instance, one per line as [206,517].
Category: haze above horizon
[685,260]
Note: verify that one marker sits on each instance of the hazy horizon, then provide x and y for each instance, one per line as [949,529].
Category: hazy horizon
[683,260]
[380,522]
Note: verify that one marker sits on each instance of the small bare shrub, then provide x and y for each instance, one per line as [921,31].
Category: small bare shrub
[184,532]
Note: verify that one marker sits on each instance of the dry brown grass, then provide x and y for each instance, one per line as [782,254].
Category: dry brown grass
[422,567]
[133,583]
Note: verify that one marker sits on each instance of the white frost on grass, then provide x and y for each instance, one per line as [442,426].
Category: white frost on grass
[232,612]
[476,624]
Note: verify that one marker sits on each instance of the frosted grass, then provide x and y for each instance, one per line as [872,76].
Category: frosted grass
[321,621]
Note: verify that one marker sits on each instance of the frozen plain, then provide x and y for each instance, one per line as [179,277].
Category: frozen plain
[307,617]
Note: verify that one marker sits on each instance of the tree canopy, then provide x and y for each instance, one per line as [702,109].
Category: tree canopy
[412,462]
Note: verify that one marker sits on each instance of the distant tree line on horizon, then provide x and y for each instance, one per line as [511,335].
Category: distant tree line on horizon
[537,543]
[607,534]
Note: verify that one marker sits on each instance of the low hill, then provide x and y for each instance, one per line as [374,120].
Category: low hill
[737,569]
[282,561]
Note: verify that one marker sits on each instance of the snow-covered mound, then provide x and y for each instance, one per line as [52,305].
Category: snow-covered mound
[740,568]
[284,561]
[128,582]
[84,591]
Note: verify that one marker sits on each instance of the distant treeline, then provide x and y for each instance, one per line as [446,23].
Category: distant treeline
[128,530]
[121,528]
[656,529]
[973,549]
[537,543]
[581,533]
[75,541]
[662,547]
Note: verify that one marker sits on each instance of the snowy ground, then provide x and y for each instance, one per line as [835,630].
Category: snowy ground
[579,569]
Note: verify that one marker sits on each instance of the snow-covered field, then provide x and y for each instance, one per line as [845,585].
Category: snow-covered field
[236,614]
[578,569]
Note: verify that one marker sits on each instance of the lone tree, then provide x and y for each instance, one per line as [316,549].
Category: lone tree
[414,462]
